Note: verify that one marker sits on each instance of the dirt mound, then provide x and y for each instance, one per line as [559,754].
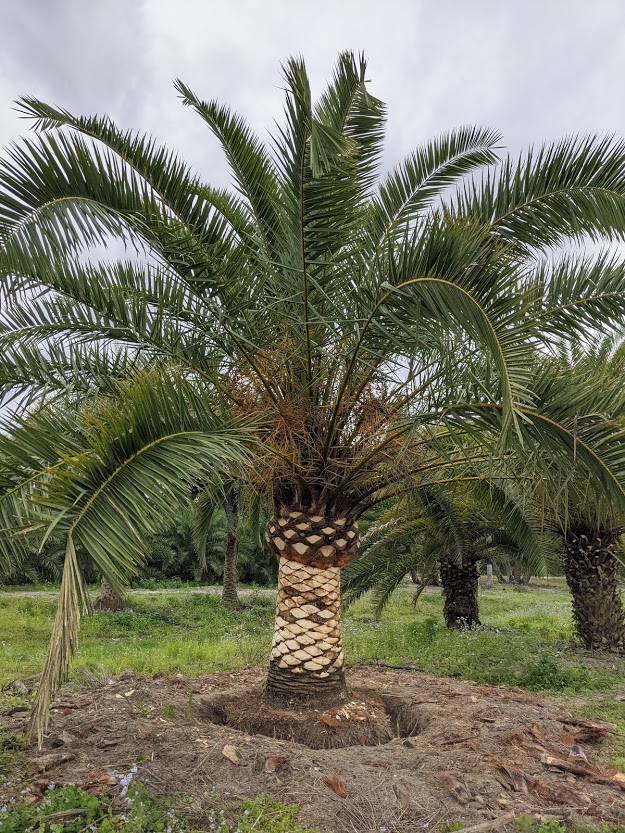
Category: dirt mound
[458,751]
[367,719]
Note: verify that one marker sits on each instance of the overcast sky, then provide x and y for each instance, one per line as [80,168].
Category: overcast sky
[535,69]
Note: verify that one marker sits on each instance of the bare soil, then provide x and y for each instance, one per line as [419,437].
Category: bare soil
[451,751]
[364,718]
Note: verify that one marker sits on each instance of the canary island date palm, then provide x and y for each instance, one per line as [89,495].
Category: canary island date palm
[340,308]
[447,530]
[589,524]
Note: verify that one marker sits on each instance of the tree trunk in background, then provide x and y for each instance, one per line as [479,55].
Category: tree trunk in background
[510,570]
[460,591]
[519,575]
[489,574]
[306,662]
[229,595]
[591,570]
[109,599]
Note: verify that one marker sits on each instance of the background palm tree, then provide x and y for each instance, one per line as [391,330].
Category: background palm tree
[226,496]
[109,598]
[446,531]
[348,318]
[587,387]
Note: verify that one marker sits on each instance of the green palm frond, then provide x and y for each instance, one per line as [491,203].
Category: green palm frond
[72,371]
[110,479]
[177,188]
[349,108]
[421,179]
[579,291]
[560,191]
[251,165]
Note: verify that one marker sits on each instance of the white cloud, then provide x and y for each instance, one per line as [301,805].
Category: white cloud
[535,69]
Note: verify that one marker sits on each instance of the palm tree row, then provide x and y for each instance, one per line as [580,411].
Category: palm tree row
[571,523]
[362,336]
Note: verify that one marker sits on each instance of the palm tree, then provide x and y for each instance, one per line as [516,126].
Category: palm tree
[447,531]
[228,497]
[511,570]
[109,598]
[592,564]
[344,315]
[588,522]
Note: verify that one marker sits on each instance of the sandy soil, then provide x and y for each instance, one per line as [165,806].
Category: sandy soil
[475,753]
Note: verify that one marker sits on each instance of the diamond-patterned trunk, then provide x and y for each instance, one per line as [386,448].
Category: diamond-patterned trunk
[307,655]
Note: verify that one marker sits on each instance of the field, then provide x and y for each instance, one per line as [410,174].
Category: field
[527,643]
[528,639]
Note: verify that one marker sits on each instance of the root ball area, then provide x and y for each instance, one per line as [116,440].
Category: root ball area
[367,718]
[433,750]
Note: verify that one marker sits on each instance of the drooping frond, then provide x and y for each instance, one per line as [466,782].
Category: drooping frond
[108,479]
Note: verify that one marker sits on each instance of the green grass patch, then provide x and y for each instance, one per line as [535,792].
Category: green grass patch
[69,809]
[181,632]
[529,640]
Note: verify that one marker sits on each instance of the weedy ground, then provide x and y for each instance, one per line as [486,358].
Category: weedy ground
[528,638]
[528,641]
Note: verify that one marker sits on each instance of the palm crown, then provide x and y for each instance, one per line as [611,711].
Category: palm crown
[314,297]
[377,333]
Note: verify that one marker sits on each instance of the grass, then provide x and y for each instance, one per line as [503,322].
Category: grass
[186,633]
[530,641]
[69,809]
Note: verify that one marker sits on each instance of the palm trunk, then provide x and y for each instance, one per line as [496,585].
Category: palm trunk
[109,599]
[307,655]
[460,582]
[591,570]
[229,595]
